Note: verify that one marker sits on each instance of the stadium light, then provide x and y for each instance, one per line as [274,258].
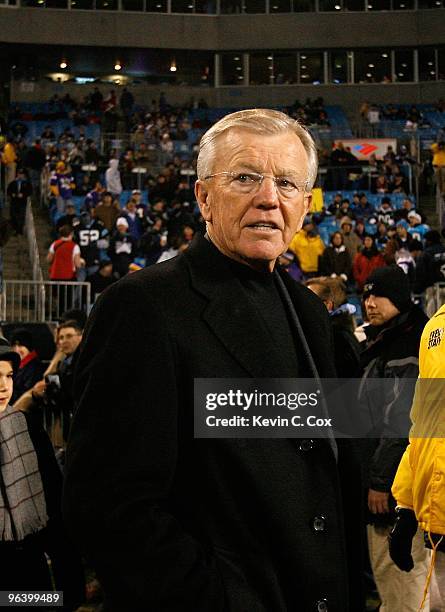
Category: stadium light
[118,65]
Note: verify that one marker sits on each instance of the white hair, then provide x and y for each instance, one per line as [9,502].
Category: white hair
[260,121]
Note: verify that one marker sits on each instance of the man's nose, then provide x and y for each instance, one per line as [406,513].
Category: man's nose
[267,193]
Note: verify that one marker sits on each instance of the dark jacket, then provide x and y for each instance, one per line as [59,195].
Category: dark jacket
[430,267]
[176,523]
[346,346]
[335,261]
[392,353]
[27,376]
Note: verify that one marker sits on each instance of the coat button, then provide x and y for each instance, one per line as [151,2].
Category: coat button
[306,445]
[322,605]
[319,523]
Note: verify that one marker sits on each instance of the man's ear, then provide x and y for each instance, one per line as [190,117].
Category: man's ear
[202,197]
[307,201]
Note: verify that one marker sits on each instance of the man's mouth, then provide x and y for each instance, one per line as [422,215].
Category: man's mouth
[264,226]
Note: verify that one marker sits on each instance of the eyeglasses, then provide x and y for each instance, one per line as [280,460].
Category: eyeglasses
[249,182]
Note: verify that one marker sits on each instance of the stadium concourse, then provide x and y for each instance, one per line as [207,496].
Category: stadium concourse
[113,181]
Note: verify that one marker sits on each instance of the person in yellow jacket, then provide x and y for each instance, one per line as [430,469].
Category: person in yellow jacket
[9,159]
[307,246]
[419,485]
[438,150]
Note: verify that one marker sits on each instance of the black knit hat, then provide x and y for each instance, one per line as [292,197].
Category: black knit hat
[23,337]
[390,282]
[7,354]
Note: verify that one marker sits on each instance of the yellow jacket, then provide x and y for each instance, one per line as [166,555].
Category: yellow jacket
[9,155]
[420,480]
[438,155]
[307,249]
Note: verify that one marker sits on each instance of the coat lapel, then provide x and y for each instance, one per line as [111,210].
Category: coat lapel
[229,312]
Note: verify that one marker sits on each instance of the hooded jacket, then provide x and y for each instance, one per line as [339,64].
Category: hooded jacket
[113,177]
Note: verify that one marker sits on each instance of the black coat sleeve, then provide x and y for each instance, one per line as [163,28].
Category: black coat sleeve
[121,461]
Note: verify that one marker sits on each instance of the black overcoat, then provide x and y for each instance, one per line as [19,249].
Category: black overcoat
[172,523]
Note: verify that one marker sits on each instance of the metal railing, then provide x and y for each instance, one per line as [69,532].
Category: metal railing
[30,233]
[40,301]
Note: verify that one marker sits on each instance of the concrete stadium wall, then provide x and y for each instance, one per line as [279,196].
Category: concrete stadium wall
[225,32]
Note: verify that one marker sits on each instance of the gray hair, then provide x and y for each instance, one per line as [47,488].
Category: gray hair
[261,121]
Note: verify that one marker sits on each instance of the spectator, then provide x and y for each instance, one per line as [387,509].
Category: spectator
[101,279]
[62,185]
[364,209]
[107,211]
[126,101]
[30,497]
[18,191]
[92,237]
[307,246]
[385,212]
[417,229]
[367,260]
[92,157]
[48,133]
[135,223]
[403,238]
[9,160]
[339,162]
[335,260]
[430,269]
[35,161]
[113,178]
[290,263]
[438,150]
[70,218]
[31,368]
[360,230]
[153,242]
[392,347]
[94,197]
[350,239]
[122,249]
[381,238]
[345,210]
[64,259]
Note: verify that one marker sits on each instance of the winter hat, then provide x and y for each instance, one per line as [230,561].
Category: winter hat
[402,223]
[24,337]
[390,282]
[346,220]
[7,354]
[122,221]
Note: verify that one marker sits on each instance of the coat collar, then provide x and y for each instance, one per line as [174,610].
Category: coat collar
[229,312]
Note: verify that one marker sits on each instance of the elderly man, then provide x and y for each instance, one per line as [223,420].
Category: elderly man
[174,523]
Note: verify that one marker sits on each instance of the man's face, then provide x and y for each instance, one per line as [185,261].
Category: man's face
[380,309]
[256,227]
[69,339]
